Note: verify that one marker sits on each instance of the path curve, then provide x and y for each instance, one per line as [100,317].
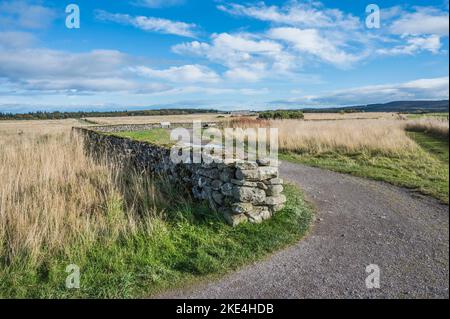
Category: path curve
[359,222]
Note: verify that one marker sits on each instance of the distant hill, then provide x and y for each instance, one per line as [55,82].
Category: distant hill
[397,106]
[409,106]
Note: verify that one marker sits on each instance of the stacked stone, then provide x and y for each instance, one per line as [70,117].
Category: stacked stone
[242,191]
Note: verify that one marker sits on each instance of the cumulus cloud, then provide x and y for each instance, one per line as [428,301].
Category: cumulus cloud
[246,56]
[180,74]
[414,45]
[151,24]
[335,37]
[310,41]
[423,21]
[21,14]
[421,89]
[44,70]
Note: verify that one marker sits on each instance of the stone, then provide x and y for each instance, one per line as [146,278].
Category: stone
[251,175]
[267,172]
[226,175]
[202,181]
[249,195]
[244,183]
[274,190]
[275,200]
[262,185]
[264,172]
[216,184]
[241,208]
[227,189]
[263,161]
[259,214]
[218,197]
[246,165]
[274,181]
[206,192]
[234,220]
[210,173]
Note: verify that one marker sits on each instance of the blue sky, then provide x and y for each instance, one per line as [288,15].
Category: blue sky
[133,54]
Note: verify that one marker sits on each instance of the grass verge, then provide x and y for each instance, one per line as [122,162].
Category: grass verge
[190,243]
[158,136]
[426,172]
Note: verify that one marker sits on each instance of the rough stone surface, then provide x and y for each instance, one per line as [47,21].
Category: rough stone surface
[234,219]
[241,189]
[249,195]
[275,200]
[259,214]
[242,208]
[274,190]
[274,181]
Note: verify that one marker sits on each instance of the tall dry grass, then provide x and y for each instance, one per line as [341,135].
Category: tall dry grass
[387,137]
[433,126]
[53,196]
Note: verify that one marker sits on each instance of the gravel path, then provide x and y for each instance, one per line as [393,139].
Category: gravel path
[359,222]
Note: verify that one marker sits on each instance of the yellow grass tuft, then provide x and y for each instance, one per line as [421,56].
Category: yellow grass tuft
[434,126]
[53,195]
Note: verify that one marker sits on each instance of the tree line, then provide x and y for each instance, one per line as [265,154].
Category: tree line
[281,115]
[78,115]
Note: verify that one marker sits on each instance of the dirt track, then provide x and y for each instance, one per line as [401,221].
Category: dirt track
[359,222]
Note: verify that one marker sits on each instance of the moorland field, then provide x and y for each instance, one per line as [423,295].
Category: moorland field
[134,236]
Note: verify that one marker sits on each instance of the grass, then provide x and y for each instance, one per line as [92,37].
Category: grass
[427,115]
[434,145]
[425,171]
[437,127]
[158,136]
[378,149]
[192,243]
[131,235]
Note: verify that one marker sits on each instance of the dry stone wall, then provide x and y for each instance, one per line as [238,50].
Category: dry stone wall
[242,191]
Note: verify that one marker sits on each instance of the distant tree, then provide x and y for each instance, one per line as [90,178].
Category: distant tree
[281,115]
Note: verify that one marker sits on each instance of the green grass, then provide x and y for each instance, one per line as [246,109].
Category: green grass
[434,145]
[414,116]
[191,243]
[159,136]
[426,172]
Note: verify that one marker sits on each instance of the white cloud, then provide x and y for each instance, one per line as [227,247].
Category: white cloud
[182,74]
[152,24]
[335,37]
[295,13]
[44,71]
[422,21]
[414,45]
[250,73]
[310,41]
[21,14]
[30,62]
[247,56]
[158,3]
[422,89]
